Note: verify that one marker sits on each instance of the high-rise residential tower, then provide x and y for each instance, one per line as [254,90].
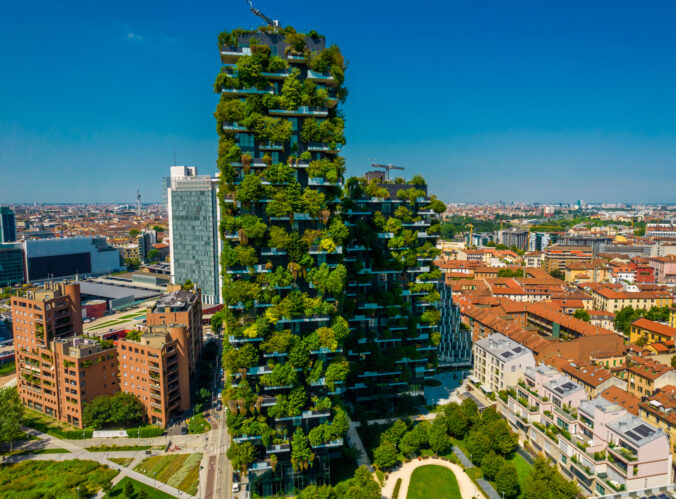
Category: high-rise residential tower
[194,215]
[7,225]
[329,286]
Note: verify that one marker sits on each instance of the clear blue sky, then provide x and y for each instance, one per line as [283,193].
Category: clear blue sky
[528,101]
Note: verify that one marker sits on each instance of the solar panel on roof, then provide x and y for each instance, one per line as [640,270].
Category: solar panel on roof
[644,430]
[507,355]
[662,496]
[633,435]
[559,390]
[517,349]
[568,386]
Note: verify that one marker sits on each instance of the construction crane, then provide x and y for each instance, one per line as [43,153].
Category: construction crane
[265,18]
[387,168]
[471,229]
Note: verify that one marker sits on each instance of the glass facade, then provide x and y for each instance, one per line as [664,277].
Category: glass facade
[7,225]
[11,264]
[193,227]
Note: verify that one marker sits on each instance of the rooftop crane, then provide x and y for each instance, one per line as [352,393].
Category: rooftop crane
[256,12]
[387,168]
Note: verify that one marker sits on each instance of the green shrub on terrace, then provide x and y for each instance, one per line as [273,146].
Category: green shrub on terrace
[279,173]
[338,231]
[281,375]
[337,371]
[240,291]
[231,110]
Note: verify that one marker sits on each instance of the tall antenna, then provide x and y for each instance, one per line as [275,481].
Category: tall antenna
[265,18]
[138,201]
[387,168]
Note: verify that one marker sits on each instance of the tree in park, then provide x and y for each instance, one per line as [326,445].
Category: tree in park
[456,420]
[10,415]
[385,456]
[545,482]
[491,464]
[129,489]
[503,440]
[478,445]
[507,481]
[394,433]
[362,486]
[438,438]
[134,232]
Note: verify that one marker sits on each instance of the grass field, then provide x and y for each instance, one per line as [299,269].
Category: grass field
[433,482]
[198,424]
[523,468]
[53,479]
[122,461]
[118,491]
[180,471]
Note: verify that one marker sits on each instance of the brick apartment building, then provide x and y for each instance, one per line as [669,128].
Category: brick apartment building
[59,370]
[556,257]
[181,307]
[154,366]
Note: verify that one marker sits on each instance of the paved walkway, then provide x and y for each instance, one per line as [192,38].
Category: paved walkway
[354,440]
[468,489]
[79,452]
[483,483]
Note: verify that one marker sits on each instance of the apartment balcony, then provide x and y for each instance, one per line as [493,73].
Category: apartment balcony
[233,127]
[247,91]
[246,438]
[325,78]
[307,415]
[330,445]
[322,182]
[238,341]
[260,466]
[275,76]
[278,448]
[156,405]
[271,146]
[301,111]
[230,55]
[322,147]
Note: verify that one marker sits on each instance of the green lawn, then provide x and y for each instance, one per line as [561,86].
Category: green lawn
[523,468]
[433,482]
[180,470]
[118,490]
[197,424]
[52,479]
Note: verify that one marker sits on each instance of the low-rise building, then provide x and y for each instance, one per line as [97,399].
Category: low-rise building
[613,300]
[556,257]
[660,410]
[645,376]
[644,330]
[593,378]
[499,362]
[596,442]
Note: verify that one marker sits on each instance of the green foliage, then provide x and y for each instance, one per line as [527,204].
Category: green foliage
[241,454]
[385,456]
[418,180]
[119,409]
[52,479]
[557,274]
[510,273]
[582,314]
[301,453]
[250,189]
[281,375]
[10,415]
[545,482]
[627,315]
[336,372]
[507,481]
[491,464]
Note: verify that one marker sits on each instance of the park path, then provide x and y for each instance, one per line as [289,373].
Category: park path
[79,452]
[468,489]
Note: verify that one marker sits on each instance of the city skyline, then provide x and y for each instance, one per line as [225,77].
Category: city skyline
[535,103]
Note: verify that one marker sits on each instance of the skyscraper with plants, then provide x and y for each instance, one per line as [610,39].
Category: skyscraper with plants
[329,289]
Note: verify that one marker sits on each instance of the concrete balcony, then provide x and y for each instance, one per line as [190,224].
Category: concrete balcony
[325,78]
[301,111]
[233,127]
[230,55]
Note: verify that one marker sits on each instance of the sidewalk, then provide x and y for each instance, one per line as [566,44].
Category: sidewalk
[79,452]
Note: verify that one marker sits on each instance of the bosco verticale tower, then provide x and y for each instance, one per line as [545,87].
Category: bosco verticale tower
[330,292]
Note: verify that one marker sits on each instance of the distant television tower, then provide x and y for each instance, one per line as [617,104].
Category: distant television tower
[138,202]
